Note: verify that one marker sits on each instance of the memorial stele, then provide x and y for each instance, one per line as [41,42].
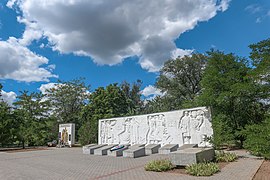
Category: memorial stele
[186,126]
[67,134]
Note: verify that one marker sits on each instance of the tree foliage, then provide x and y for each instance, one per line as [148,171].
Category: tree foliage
[67,99]
[180,79]
[103,103]
[132,92]
[258,138]
[32,115]
[233,95]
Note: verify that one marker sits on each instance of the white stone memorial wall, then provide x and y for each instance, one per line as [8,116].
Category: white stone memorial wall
[187,126]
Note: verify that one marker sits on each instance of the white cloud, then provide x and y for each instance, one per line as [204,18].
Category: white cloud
[9,97]
[253,8]
[44,87]
[151,91]
[109,31]
[19,63]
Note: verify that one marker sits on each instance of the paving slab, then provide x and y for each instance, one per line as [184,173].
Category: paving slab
[168,148]
[71,164]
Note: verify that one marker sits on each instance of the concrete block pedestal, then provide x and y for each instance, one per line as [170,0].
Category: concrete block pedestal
[191,155]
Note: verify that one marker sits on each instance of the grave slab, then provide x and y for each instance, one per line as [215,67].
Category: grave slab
[92,148]
[103,150]
[86,148]
[168,148]
[152,149]
[135,151]
[118,152]
[186,146]
[191,155]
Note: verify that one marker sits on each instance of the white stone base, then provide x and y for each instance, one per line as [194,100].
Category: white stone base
[191,155]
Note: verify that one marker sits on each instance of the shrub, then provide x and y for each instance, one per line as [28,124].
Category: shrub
[159,165]
[258,139]
[202,169]
[221,156]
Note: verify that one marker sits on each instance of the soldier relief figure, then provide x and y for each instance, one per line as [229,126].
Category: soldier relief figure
[184,126]
[191,124]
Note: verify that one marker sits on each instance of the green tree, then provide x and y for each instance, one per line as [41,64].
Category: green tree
[180,79]
[158,104]
[67,100]
[257,135]
[232,94]
[258,138]
[104,103]
[260,61]
[132,92]
[8,125]
[32,114]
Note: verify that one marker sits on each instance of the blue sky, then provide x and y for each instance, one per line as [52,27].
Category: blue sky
[108,42]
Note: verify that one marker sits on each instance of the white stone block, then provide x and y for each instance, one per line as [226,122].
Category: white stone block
[191,155]
[152,149]
[104,150]
[86,148]
[168,148]
[92,148]
[186,146]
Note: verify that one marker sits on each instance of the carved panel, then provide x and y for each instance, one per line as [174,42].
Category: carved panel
[186,126]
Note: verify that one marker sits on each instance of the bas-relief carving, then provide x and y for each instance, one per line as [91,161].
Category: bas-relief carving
[192,126]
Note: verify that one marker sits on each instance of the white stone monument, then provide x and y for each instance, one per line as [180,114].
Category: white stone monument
[67,134]
[186,126]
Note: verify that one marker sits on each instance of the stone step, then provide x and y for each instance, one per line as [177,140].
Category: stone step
[191,155]
[152,149]
[104,150]
[168,148]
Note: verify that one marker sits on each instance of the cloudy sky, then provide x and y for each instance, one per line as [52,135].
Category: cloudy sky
[109,41]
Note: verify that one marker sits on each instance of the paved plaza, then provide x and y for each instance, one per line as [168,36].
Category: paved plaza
[71,163]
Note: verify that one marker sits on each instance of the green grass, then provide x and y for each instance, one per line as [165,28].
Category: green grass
[159,165]
[202,169]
